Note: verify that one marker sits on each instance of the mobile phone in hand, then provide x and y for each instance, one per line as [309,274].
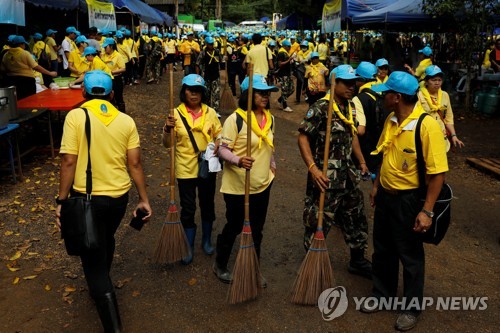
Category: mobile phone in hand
[138,222]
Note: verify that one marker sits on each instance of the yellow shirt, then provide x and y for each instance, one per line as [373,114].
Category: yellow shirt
[186,48]
[18,62]
[486,61]
[442,103]
[257,56]
[323,51]
[109,146]
[38,47]
[98,64]
[233,177]
[124,50]
[186,159]
[79,62]
[399,164]
[114,60]
[295,48]
[316,75]
[420,70]
[171,47]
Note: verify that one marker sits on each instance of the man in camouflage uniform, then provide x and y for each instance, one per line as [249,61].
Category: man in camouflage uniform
[153,59]
[207,65]
[344,205]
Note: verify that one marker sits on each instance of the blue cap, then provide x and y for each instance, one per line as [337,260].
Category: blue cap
[400,82]
[81,39]
[272,43]
[10,39]
[286,42]
[209,40]
[108,41]
[314,55]
[19,40]
[427,51]
[382,62]
[304,43]
[50,32]
[366,70]
[37,35]
[190,33]
[231,39]
[70,30]
[89,50]
[259,82]
[119,34]
[344,72]
[127,33]
[433,70]
[97,79]
[194,80]
[160,35]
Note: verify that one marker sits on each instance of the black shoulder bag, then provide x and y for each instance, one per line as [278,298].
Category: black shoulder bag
[442,207]
[78,226]
[202,162]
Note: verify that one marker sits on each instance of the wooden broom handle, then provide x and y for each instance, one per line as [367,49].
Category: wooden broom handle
[249,140]
[172,134]
[326,154]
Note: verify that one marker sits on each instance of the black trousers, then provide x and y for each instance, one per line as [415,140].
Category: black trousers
[25,86]
[118,101]
[206,195]
[97,263]
[235,215]
[394,241]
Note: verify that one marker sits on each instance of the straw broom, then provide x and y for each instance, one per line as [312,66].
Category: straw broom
[173,244]
[227,104]
[246,272]
[316,273]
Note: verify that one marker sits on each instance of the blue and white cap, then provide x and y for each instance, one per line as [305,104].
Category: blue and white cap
[194,80]
[97,79]
[366,70]
[382,62]
[258,82]
[400,82]
[344,72]
[433,70]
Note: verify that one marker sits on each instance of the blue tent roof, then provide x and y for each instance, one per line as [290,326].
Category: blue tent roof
[352,8]
[295,21]
[147,13]
[402,11]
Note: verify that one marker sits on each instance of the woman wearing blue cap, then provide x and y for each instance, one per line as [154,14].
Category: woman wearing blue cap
[196,127]
[437,103]
[18,64]
[116,64]
[233,150]
[76,61]
[425,56]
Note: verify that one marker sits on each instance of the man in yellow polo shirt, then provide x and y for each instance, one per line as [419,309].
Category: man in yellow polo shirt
[114,147]
[400,218]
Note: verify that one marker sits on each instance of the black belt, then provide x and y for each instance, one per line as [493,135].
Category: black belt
[398,192]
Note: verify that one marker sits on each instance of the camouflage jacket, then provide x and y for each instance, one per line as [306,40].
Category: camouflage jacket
[340,164]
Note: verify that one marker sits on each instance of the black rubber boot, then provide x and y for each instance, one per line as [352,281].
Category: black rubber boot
[190,234]
[107,307]
[359,265]
[206,237]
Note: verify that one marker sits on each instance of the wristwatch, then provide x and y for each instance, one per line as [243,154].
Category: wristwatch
[60,201]
[428,213]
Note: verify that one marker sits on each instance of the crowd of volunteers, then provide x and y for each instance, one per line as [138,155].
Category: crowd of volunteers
[376,106]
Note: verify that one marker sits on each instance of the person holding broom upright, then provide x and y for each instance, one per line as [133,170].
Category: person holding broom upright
[232,150]
[195,125]
[343,200]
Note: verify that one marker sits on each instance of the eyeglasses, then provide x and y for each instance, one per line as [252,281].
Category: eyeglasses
[263,93]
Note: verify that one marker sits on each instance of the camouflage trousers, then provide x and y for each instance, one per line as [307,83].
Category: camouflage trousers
[213,88]
[152,68]
[287,88]
[343,208]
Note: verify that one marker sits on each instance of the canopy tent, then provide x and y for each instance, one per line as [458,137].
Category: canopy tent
[402,11]
[265,19]
[145,12]
[295,22]
[352,8]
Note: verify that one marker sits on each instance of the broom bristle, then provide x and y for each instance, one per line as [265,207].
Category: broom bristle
[227,103]
[246,273]
[315,274]
[172,245]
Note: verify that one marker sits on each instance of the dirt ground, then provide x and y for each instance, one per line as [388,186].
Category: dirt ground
[43,289]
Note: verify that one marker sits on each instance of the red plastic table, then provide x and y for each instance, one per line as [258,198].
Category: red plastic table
[54,100]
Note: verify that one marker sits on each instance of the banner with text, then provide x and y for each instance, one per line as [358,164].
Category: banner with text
[12,12]
[331,16]
[102,15]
